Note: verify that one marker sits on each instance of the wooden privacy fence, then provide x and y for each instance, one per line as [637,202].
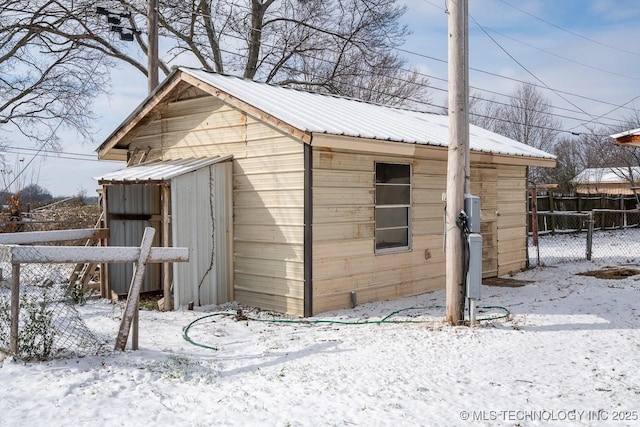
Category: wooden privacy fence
[548,201]
[18,249]
[553,213]
[571,222]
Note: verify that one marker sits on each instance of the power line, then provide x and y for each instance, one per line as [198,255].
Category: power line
[570,31]
[439,106]
[579,110]
[529,71]
[617,106]
[564,57]
[56,154]
[540,86]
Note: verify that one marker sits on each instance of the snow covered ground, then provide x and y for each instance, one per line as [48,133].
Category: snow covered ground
[568,355]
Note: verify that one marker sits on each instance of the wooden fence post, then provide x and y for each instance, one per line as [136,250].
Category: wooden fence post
[590,236]
[552,209]
[134,291]
[534,223]
[15,308]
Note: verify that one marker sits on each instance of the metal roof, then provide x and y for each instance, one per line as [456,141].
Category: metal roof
[607,175]
[626,133]
[334,115]
[158,171]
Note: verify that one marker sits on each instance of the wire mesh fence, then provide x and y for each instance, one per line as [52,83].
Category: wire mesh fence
[49,324]
[601,234]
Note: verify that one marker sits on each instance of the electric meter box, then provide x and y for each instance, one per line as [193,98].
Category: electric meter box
[472,209]
[474,274]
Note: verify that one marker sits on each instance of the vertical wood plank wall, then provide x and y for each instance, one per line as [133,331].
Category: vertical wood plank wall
[484,179]
[268,184]
[512,221]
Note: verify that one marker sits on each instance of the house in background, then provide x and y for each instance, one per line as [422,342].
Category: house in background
[620,180]
[614,180]
[294,201]
[630,137]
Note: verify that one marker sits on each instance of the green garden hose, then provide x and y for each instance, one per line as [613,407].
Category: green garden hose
[384,320]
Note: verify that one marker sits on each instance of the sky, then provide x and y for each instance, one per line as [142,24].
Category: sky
[583,55]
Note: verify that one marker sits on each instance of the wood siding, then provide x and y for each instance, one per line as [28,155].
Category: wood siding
[484,180]
[344,258]
[512,219]
[268,185]
[268,211]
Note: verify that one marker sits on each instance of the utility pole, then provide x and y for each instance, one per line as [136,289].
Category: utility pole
[152,80]
[458,169]
[152,49]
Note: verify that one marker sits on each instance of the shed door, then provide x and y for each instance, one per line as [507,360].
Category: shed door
[200,220]
[131,208]
[484,183]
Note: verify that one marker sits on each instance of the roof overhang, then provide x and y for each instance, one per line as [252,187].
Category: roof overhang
[340,142]
[630,137]
[115,146]
[158,172]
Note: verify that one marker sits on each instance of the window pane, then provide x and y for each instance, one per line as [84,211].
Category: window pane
[388,173]
[393,194]
[392,217]
[386,239]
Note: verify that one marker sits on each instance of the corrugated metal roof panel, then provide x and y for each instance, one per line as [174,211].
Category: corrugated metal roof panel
[158,171]
[607,175]
[317,113]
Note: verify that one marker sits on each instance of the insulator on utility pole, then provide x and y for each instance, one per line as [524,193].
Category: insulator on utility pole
[114,18]
[458,169]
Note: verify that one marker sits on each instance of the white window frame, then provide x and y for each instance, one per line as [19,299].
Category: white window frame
[408,206]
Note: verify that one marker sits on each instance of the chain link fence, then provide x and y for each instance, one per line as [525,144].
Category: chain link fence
[49,323]
[601,234]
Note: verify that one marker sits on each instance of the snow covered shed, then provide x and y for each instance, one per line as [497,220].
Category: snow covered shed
[329,195]
[613,180]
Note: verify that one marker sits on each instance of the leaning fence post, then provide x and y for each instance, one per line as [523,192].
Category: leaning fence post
[590,236]
[134,291]
[15,308]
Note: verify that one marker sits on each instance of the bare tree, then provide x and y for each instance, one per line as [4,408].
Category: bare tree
[574,155]
[332,46]
[528,118]
[47,78]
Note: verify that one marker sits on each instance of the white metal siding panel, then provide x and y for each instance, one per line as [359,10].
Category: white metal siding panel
[202,221]
[192,227]
[223,196]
